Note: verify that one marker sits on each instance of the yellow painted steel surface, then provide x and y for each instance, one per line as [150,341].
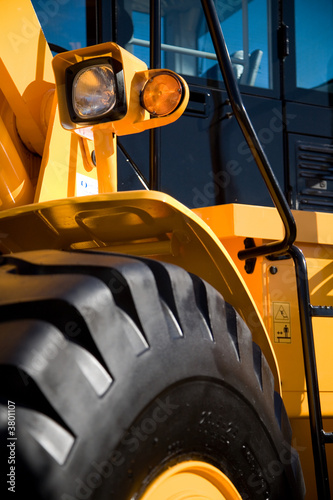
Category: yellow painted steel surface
[15,185]
[191,480]
[65,164]
[25,86]
[25,65]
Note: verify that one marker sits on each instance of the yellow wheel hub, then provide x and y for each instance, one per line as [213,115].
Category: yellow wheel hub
[191,480]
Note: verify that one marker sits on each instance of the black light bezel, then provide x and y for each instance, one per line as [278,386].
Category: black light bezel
[120,108]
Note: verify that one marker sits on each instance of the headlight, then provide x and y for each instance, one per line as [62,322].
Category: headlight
[162,94]
[95,91]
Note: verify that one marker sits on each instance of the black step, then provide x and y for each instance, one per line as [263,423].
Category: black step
[328,437]
[321,311]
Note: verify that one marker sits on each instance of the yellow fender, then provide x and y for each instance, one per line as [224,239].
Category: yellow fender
[146,223]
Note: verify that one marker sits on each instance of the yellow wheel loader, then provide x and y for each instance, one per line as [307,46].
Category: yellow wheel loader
[166,293]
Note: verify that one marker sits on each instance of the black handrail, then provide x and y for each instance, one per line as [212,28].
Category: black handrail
[274,247]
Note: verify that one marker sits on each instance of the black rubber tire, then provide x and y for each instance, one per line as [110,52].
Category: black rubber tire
[109,389]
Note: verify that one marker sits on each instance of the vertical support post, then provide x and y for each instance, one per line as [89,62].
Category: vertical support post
[103,16]
[106,160]
[246,50]
[155,62]
[114,22]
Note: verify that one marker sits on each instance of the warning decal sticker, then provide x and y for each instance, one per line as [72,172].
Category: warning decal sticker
[282,322]
[281,311]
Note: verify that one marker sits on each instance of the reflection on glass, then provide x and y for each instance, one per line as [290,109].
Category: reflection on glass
[63,23]
[187,45]
[314,44]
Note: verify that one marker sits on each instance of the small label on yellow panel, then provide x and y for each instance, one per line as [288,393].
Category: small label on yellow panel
[282,322]
[85,185]
[281,311]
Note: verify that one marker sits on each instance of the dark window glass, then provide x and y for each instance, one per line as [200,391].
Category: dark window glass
[314,44]
[63,22]
[187,45]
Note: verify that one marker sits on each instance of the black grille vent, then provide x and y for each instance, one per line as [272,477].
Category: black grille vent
[314,177]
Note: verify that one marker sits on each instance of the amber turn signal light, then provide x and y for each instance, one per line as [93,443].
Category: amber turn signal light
[162,94]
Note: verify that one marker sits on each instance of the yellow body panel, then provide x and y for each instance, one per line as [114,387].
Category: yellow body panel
[15,184]
[26,71]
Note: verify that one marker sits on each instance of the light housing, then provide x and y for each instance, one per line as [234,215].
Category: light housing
[95,91]
[129,114]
